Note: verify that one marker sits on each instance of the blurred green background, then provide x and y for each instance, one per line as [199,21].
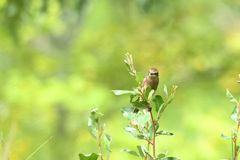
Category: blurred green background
[59,59]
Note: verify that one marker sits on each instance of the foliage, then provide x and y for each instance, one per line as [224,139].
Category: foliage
[142,125]
[96,130]
[58,57]
[234,135]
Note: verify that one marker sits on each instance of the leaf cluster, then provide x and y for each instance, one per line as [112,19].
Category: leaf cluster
[236,117]
[96,130]
[142,125]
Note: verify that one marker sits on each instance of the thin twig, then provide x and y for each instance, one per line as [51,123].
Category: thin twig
[99,139]
[149,141]
[153,134]
[236,136]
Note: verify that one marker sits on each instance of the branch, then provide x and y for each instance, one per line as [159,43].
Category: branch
[99,138]
[141,133]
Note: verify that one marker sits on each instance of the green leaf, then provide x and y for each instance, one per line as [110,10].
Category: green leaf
[93,122]
[121,92]
[131,152]
[164,133]
[160,110]
[144,149]
[133,132]
[127,109]
[92,126]
[165,91]
[143,119]
[128,113]
[137,103]
[158,101]
[92,156]
[230,96]
[225,137]
[96,113]
[234,131]
[160,156]
[171,158]
[102,128]
[140,151]
[136,91]
[107,141]
[234,114]
[140,77]
[147,91]
[150,129]
[150,95]
[129,69]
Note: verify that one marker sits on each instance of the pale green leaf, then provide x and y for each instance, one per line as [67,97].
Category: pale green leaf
[121,92]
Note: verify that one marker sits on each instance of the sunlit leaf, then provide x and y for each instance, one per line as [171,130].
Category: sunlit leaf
[121,92]
[234,114]
[131,152]
[147,91]
[107,141]
[160,156]
[150,129]
[128,112]
[225,137]
[129,69]
[102,127]
[140,151]
[170,99]
[92,156]
[230,96]
[143,119]
[158,101]
[144,149]
[92,126]
[133,132]
[137,92]
[150,95]
[165,91]
[235,132]
[160,110]
[164,133]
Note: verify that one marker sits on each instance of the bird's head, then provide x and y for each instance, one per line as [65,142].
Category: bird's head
[153,72]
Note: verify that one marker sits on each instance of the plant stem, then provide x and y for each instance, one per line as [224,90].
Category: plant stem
[148,142]
[153,134]
[99,139]
[141,133]
[235,139]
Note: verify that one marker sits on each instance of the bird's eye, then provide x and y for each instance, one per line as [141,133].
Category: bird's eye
[153,73]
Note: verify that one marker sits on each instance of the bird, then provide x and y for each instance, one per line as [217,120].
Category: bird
[150,80]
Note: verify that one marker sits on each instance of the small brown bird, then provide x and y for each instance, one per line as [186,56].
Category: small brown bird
[150,80]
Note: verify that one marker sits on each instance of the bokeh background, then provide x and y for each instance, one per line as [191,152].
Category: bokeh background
[60,59]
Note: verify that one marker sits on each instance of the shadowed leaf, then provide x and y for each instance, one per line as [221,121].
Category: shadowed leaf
[230,97]
[158,101]
[131,152]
